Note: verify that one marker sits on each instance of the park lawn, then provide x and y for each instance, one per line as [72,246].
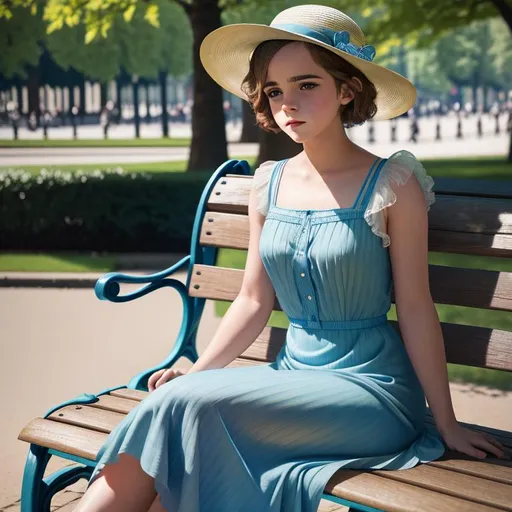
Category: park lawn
[150,167]
[488,168]
[95,143]
[56,262]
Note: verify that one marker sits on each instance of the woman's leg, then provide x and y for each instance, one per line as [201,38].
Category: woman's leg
[157,506]
[119,487]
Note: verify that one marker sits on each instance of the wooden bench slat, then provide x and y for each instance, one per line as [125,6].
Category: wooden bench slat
[470,287]
[88,417]
[66,438]
[130,394]
[375,491]
[486,289]
[470,243]
[492,469]
[453,212]
[115,404]
[230,230]
[458,485]
[473,187]
[490,348]
[238,362]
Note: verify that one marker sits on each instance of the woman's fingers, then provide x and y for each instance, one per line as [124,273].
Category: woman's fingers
[499,450]
[154,378]
[162,376]
[488,444]
[169,374]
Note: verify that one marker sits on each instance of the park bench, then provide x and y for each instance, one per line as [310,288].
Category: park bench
[468,217]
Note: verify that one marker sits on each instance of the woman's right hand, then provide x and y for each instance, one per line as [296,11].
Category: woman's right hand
[162,376]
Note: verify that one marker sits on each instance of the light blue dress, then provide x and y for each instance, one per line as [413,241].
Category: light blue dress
[342,392]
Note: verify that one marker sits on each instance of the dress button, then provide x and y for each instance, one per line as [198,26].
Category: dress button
[310,297]
[302,274]
[313,317]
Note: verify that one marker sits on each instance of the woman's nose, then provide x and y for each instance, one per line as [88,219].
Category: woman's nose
[289,106]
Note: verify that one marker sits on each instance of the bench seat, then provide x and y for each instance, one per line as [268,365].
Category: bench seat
[468,217]
[452,483]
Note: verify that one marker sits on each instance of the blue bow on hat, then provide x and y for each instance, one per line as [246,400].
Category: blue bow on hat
[339,40]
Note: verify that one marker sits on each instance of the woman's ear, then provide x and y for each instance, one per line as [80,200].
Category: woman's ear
[358,83]
[346,94]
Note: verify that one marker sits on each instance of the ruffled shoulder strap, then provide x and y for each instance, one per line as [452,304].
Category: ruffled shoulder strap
[397,171]
[260,183]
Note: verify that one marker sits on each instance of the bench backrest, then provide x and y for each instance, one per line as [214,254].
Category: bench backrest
[469,217]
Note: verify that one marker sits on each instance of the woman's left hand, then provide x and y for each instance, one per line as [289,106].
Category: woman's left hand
[473,443]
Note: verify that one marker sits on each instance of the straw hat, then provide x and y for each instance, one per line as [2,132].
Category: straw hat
[226,52]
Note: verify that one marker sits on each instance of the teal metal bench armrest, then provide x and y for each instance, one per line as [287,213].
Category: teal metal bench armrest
[108,286]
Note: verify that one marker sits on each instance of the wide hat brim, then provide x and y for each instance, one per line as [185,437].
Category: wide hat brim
[226,52]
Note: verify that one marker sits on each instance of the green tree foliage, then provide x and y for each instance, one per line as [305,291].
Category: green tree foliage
[423,21]
[133,42]
[20,33]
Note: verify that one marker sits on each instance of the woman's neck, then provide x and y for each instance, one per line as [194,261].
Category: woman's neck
[331,150]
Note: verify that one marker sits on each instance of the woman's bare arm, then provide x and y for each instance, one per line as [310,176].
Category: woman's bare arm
[407,222]
[419,322]
[249,312]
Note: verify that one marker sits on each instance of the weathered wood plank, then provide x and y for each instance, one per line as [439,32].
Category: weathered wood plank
[375,491]
[467,345]
[91,418]
[473,187]
[112,403]
[485,289]
[130,394]
[232,231]
[491,468]
[66,438]
[458,485]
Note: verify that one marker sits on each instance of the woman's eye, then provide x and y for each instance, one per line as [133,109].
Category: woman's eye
[273,93]
[308,86]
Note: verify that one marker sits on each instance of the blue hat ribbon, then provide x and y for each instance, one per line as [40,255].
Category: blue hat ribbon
[339,40]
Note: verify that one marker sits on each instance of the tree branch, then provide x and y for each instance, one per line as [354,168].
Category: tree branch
[184,4]
[504,7]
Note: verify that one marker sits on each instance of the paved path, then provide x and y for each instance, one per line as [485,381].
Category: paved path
[58,343]
[426,147]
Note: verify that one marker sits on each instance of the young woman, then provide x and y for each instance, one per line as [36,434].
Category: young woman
[330,230]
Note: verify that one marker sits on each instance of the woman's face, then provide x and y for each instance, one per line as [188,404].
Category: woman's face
[300,90]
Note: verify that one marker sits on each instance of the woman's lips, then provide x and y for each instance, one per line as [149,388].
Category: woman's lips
[294,124]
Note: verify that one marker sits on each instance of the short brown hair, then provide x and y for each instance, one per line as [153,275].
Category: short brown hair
[359,110]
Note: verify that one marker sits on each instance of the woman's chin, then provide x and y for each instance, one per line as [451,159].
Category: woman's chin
[299,138]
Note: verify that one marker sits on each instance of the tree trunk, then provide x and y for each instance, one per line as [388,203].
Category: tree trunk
[250,131]
[510,148]
[82,108]
[19,97]
[148,104]
[163,99]
[33,92]
[103,95]
[209,146]
[474,94]
[276,146]
[136,116]
[71,98]
[118,100]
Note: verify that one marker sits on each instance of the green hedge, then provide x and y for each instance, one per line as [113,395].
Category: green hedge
[110,210]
